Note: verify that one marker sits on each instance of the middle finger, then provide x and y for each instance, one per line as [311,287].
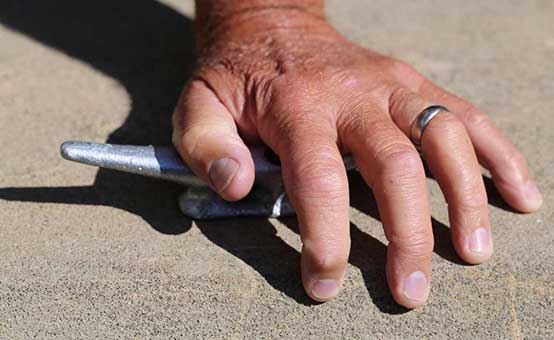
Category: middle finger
[390,165]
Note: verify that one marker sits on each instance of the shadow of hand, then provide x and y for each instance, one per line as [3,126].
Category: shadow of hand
[148,48]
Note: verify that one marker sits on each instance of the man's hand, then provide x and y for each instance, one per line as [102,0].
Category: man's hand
[282,76]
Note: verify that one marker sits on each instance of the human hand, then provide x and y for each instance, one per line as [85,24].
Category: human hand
[311,95]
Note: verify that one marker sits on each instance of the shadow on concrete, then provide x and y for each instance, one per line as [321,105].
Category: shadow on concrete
[148,48]
[494,196]
[255,242]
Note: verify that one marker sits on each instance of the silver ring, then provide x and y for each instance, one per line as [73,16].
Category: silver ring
[421,121]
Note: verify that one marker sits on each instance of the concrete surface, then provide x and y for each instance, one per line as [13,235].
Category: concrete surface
[96,254]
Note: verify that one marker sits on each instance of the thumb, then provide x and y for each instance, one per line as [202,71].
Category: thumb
[206,137]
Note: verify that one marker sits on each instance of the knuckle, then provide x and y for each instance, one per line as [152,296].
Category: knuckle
[296,121]
[193,86]
[401,156]
[400,166]
[405,72]
[469,208]
[401,174]
[415,243]
[326,255]
[400,67]
[188,140]
[194,140]
[473,200]
[316,163]
[361,124]
[400,97]
[302,122]
[179,114]
[510,166]
[474,117]
[402,170]
[514,159]
[290,91]
[319,175]
[346,78]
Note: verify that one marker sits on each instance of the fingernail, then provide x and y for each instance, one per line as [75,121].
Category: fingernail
[416,286]
[221,173]
[325,289]
[479,242]
[532,192]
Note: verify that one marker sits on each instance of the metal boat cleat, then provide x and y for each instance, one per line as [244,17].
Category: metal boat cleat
[267,197]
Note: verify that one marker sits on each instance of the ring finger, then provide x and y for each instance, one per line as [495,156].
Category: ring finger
[448,150]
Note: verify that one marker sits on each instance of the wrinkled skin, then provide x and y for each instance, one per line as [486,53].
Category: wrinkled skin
[312,96]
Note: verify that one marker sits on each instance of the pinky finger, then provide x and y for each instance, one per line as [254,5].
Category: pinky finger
[507,165]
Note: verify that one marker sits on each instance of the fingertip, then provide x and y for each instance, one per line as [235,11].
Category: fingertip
[322,275]
[476,259]
[415,290]
[408,277]
[533,197]
[525,198]
[232,177]
[475,248]
[323,290]
[411,289]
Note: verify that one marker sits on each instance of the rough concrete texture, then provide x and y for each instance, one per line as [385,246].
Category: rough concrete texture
[97,254]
